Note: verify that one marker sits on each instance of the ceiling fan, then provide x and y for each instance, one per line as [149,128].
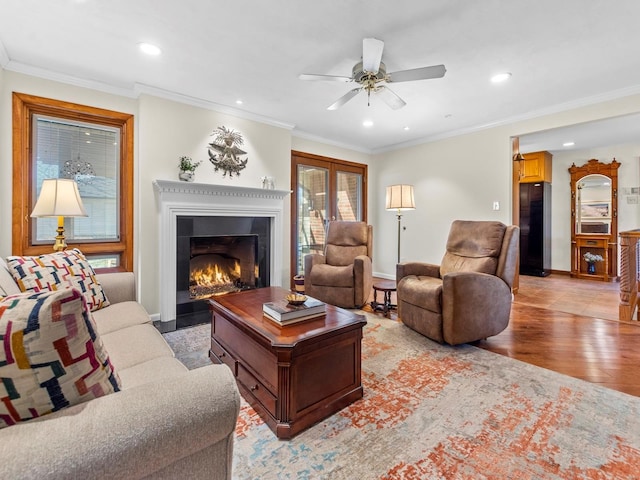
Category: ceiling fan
[372,76]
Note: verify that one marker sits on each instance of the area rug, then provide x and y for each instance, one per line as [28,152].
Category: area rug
[438,412]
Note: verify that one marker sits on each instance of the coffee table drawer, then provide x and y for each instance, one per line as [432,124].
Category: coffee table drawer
[224,356]
[258,390]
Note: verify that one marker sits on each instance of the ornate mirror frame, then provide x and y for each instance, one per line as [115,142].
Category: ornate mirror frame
[601,238]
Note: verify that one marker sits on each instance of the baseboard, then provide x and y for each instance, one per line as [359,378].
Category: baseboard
[386,276]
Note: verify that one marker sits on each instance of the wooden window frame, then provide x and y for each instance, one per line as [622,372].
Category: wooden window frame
[24,108]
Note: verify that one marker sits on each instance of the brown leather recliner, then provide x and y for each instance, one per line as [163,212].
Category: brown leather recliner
[468,297]
[343,276]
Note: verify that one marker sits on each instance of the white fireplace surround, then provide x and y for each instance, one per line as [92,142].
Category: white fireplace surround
[175,199]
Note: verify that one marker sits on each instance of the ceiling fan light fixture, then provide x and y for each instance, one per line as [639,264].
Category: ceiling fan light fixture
[501,77]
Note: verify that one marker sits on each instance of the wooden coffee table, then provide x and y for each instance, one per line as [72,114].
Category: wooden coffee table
[293,376]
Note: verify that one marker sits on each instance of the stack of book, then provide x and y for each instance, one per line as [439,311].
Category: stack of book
[283,313]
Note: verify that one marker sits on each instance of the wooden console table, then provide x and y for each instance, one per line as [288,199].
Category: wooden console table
[293,376]
[629,269]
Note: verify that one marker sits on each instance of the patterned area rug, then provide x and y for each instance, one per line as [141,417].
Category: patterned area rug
[436,412]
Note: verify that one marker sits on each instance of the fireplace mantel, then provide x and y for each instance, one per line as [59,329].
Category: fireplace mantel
[176,199]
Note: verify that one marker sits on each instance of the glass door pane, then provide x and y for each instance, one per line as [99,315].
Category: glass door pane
[312,188]
[349,196]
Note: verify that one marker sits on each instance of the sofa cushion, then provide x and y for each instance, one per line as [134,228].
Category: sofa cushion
[120,315]
[154,370]
[134,345]
[57,270]
[332,276]
[51,355]
[423,292]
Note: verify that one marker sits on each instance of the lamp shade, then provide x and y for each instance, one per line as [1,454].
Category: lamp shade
[400,197]
[59,197]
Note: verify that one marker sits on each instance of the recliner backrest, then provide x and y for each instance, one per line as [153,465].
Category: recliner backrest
[346,240]
[473,246]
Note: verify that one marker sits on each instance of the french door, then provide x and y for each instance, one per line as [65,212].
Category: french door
[324,189]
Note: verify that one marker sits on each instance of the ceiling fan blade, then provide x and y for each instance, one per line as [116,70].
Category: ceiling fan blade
[424,73]
[371,54]
[330,78]
[344,99]
[390,98]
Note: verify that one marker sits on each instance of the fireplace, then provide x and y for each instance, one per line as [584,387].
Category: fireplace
[183,208]
[222,264]
[218,255]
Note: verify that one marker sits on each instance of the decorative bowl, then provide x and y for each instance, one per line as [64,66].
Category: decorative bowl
[296,299]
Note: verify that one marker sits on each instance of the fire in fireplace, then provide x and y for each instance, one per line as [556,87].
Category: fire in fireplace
[221,264]
[217,255]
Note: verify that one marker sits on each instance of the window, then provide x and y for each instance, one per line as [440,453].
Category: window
[54,139]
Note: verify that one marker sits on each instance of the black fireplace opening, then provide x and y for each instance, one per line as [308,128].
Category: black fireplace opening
[216,256]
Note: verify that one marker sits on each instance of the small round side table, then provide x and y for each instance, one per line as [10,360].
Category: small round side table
[386,287]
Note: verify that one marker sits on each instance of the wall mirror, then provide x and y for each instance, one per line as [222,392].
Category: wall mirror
[593,205]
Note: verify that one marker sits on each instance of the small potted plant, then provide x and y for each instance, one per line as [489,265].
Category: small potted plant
[187,168]
[591,259]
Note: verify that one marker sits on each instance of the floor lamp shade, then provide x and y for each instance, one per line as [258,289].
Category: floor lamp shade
[59,197]
[400,197]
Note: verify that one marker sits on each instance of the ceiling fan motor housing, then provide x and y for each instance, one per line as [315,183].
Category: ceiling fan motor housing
[359,75]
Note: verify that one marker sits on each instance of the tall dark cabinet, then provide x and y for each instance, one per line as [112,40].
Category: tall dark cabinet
[535,229]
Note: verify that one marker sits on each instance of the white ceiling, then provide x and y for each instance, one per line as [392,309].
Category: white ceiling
[560,53]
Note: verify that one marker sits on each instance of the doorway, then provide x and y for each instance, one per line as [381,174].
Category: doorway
[325,189]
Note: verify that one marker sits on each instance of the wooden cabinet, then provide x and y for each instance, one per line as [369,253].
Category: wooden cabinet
[594,219]
[597,245]
[535,167]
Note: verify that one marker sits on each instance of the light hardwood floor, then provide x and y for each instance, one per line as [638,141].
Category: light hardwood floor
[570,326]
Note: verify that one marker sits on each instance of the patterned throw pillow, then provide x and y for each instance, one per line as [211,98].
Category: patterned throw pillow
[51,356]
[53,271]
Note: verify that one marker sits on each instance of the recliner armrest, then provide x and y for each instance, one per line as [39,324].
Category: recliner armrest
[474,305]
[416,268]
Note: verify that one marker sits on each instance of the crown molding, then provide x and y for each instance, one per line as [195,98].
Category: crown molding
[558,108]
[68,79]
[141,88]
[326,141]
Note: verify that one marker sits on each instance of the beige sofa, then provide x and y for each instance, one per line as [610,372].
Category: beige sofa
[166,422]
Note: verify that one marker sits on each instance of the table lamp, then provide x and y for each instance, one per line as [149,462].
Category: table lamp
[399,198]
[59,197]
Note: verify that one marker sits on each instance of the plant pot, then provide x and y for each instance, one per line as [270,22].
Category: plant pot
[591,268]
[186,176]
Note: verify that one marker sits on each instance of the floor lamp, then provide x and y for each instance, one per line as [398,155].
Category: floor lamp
[399,198]
[59,197]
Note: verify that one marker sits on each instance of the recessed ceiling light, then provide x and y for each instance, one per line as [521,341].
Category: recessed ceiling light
[568,144]
[367,123]
[501,77]
[149,49]
[239,102]
[406,128]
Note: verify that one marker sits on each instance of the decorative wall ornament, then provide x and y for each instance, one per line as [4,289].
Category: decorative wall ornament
[224,151]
